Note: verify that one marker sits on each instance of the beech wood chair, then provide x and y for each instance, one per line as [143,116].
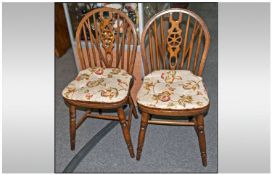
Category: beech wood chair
[174,47]
[106,48]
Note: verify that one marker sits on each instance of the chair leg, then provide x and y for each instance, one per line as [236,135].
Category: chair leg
[126,133]
[141,137]
[129,118]
[195,126]
[72,111]
[201,138]
[132,105]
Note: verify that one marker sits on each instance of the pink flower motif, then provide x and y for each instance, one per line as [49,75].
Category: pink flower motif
[162,75]
[82,77]
[99,71]
[164,98]
[88,96]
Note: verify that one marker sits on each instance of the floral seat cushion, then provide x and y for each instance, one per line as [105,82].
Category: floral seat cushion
[173,89]
[102,85]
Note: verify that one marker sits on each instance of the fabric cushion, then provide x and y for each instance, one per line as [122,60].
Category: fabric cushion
[173,89]
[105,85]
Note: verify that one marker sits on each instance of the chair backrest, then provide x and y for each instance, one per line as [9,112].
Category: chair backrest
[106,37]
[175,39]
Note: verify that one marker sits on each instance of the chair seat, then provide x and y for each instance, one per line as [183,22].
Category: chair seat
[100,85]
[173,89]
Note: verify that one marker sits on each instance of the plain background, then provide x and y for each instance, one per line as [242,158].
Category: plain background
[28,87]
[244,87]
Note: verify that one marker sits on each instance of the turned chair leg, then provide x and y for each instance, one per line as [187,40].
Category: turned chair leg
[72,111]
[141,137]
[125,128]
[130,112]
[201,138]
[132,106]
[195,126]
[129,118]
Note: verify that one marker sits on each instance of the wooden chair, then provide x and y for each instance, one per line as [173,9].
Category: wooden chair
[174,47]
[106,46]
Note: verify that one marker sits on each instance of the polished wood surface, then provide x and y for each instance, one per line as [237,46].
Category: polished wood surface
[175,39]
[125,128]
[113,30]
[101,43]
[141,137]
[72,111]
[125,34]
[167,37]
[201,138]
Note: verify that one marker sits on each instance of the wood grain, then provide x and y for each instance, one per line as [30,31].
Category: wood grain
[101,43]
[180,41]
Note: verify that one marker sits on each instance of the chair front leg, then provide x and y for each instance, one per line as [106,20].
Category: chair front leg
[72,112]
[195,126]
[141,137]
[201,138]
[125,128]
[129,118]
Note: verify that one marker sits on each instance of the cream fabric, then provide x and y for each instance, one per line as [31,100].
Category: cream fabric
[173,89]
[105,85]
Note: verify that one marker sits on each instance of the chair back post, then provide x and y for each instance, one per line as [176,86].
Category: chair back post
[175,39]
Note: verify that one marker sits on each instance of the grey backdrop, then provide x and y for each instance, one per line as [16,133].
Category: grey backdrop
[28,87]
[244,87]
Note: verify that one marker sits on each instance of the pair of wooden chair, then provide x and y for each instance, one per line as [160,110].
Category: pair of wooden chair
[174,46]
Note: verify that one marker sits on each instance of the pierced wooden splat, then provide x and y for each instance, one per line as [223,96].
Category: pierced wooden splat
[102,38]
[182,45]
[107,36]
[174,40]
[107,32]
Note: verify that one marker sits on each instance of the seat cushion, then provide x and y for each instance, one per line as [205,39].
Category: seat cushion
[103,85]
[173,89]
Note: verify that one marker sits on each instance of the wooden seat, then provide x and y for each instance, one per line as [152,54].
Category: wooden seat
[174,47]
[106,48]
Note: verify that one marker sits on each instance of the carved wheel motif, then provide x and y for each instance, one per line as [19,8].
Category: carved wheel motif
[107,32]
[174,39]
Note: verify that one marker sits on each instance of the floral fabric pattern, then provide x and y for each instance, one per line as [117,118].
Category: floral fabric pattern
[173,89]
[105,85]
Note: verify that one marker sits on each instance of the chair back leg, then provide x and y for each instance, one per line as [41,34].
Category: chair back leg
[72,112]
[201,138]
